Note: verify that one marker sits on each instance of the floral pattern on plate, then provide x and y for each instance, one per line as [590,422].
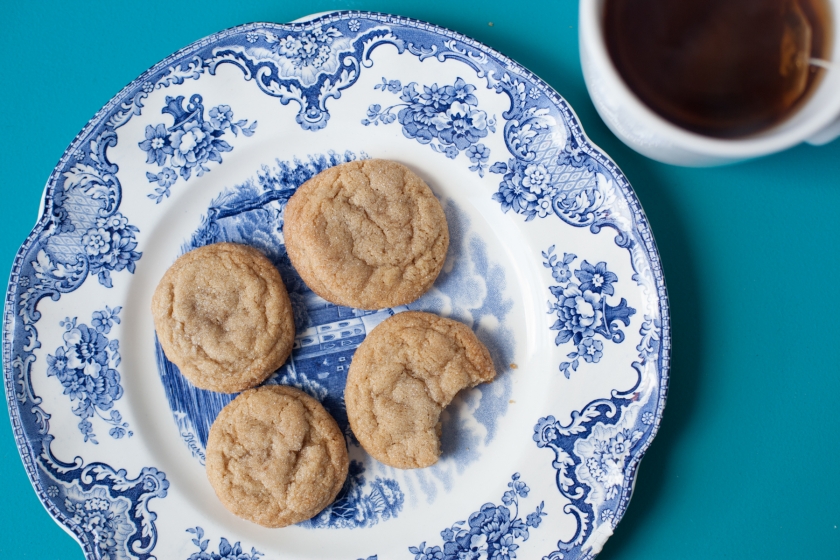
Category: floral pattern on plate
[582,309]
[490,533]
[190,143]
[86,366]
[447,118]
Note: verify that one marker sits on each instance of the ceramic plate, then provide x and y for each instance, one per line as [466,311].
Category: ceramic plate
[551,262]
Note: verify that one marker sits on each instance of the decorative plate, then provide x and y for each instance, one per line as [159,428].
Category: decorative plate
[551,262]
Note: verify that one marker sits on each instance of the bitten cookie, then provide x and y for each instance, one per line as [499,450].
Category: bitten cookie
[223,316]
[403,375]
[275,456]
[367,234]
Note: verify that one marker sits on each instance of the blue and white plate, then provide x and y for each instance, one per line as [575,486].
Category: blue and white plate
[551,262]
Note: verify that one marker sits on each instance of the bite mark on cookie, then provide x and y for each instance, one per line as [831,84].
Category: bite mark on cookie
[407,370]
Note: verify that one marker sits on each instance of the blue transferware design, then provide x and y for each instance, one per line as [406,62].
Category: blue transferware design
[445,117]
[102,245]
[582,309]
[105,509]
[307,66]
[491,533]
[598,455]
[190,142]
[86,366]
[88,235]
[354,508]
[550,169]
[227,551]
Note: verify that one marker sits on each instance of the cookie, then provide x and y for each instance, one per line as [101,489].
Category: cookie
[407,370]
[223,316]
[275,456]
[366,234]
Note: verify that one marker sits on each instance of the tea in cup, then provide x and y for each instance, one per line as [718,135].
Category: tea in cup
[704,82]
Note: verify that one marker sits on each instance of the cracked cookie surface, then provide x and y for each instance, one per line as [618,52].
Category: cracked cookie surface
[275,456]
[223,316]
[366,234]
[405,372]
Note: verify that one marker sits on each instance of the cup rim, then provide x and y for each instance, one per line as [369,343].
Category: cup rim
[779,137]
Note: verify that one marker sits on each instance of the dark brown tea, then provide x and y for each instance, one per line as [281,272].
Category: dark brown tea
[724,68]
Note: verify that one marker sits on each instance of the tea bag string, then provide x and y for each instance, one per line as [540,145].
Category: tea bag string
[821,63]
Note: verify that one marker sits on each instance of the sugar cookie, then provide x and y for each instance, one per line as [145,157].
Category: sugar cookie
[367,234]
[223,316]
[275,456]
[407,370]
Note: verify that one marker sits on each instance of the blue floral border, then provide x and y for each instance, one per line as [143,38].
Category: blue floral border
[97,176]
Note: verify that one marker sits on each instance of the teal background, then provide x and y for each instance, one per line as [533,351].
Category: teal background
[747,462]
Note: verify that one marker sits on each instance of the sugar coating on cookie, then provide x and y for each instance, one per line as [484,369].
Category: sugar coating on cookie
[275,456]
[405,372]
[223,316]
[367,234]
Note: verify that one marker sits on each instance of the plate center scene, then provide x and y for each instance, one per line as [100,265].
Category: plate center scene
[470,288]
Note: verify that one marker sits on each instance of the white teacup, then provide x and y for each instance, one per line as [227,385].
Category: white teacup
[816,121]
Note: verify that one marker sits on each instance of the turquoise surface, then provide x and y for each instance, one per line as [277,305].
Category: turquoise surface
[746,463]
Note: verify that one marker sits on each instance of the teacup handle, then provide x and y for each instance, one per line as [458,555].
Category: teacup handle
[826,135]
